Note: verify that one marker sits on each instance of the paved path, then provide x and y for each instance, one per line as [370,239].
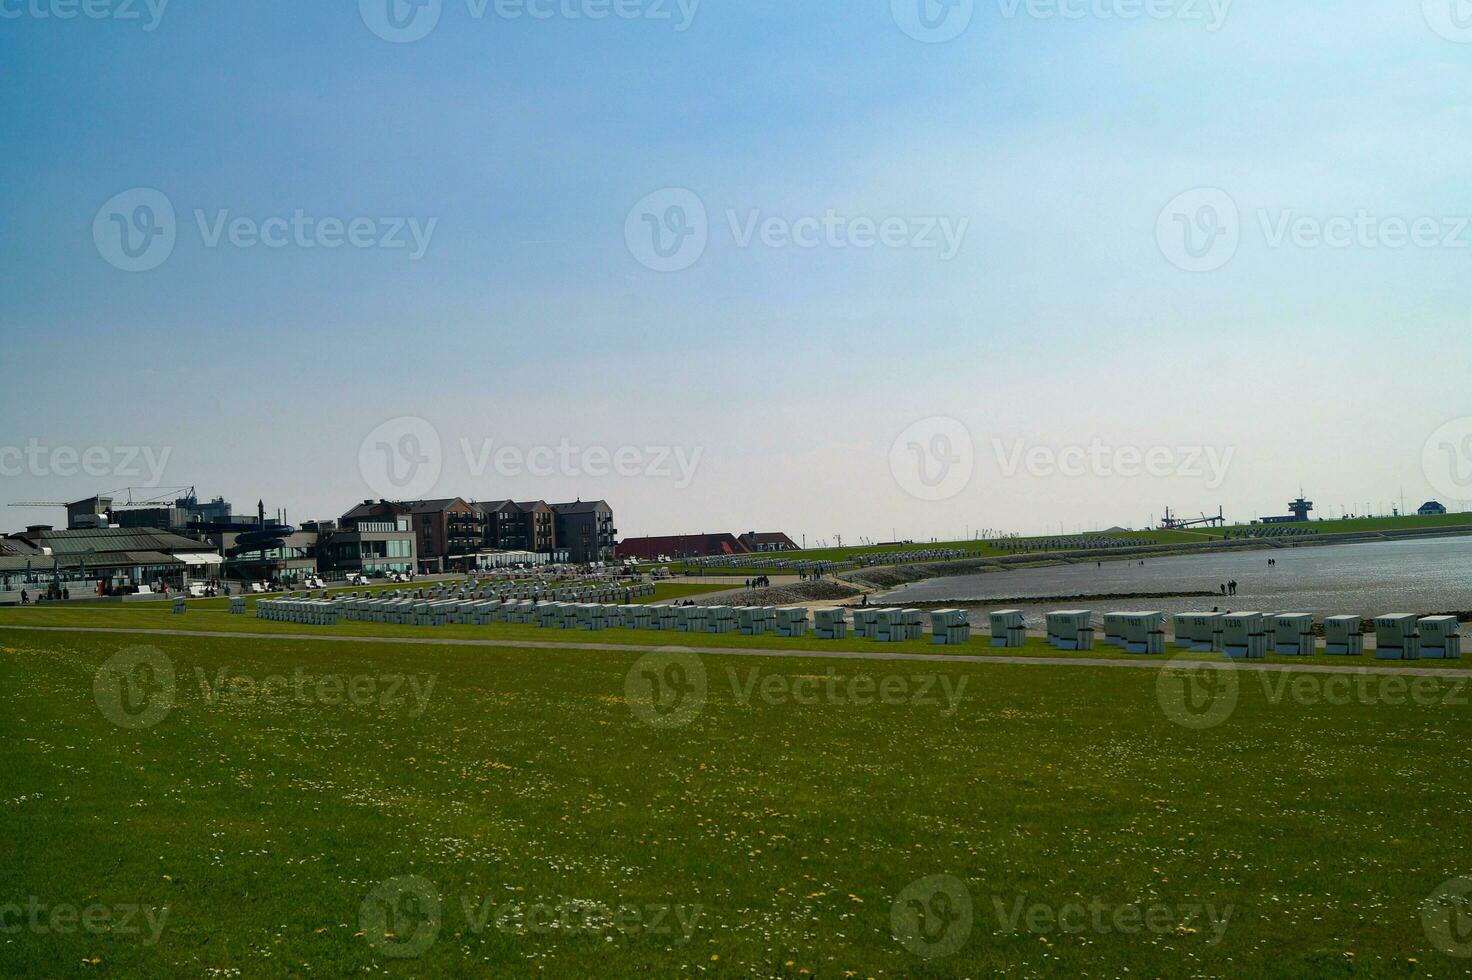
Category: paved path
[1151,664]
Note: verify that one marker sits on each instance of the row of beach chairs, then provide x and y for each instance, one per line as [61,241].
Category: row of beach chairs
[1252,635]
[1237,635]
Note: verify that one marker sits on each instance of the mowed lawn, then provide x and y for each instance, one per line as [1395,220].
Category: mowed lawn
[489,810]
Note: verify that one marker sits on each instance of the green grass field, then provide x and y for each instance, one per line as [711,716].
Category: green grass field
[432,810]
[1409,522]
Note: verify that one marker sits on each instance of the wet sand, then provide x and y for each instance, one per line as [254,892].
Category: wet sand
[1418,576]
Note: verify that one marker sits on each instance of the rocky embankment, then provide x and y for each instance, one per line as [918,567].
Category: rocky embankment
[795,594]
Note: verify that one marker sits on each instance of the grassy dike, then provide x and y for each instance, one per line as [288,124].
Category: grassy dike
[786,825]
[1154,542]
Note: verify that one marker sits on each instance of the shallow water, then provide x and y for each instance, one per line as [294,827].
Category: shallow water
[1421,576]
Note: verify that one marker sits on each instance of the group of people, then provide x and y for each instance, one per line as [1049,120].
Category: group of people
[1229,588]
[760,582]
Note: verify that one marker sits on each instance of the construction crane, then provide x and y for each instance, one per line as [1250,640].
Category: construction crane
[155,495]
[1173,523]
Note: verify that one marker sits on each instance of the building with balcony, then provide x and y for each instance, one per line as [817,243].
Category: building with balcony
[445,531]
[584,529]
[503,525]
[373,548]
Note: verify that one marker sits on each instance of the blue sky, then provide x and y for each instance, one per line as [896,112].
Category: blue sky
[1061,321]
